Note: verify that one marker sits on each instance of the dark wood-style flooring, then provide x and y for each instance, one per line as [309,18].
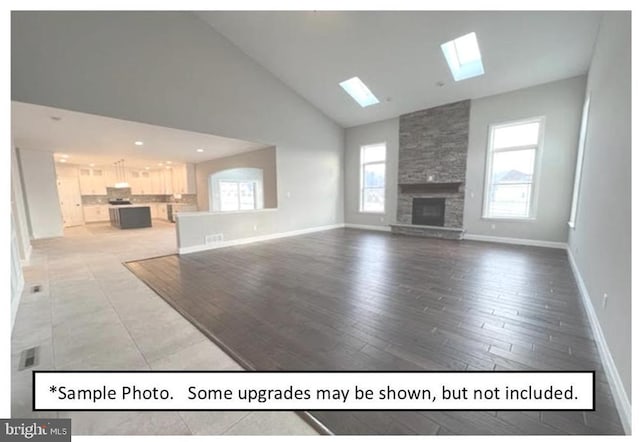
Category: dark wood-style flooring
[348,299]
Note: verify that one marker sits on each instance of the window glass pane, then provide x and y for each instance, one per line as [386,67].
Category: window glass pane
[247,196]
[373,175]
[516,135]
[373,153]
[513,166]
[510,200]
[373,200]
[228,196]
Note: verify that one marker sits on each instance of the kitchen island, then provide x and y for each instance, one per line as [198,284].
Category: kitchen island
[131,216]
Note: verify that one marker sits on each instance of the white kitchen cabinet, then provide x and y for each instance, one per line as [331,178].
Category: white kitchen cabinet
[167,177]
[95,213]
[92,181]
[158,211]
[139,181]
[157,182]
[145,182]
[184,178]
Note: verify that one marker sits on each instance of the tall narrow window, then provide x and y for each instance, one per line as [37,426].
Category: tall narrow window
[372,177]
[511,169]
[579,160]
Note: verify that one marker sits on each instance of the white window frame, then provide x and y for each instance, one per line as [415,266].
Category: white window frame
[362,188]
[533,200]
[237,183]
[577,180]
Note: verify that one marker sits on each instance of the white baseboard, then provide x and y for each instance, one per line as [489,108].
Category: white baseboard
[252,239]
[27,258]
[518,241]
[368,227]
[613,376]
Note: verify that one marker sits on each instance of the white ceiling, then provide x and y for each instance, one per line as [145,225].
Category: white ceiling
[397,54]
[87,138]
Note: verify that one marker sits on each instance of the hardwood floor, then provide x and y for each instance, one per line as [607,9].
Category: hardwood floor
[350,299]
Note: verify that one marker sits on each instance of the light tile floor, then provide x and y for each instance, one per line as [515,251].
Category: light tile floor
[92,313]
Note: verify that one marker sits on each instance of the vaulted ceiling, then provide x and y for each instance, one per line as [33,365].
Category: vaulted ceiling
[397,54]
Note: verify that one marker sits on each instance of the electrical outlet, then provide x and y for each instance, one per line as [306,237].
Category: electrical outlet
[430,178]
[605,299]
[216,237]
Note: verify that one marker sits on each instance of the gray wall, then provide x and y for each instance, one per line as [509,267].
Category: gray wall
[172,69]
[264,159]
[561,104]
[384,131]
[601,241]
[41,193]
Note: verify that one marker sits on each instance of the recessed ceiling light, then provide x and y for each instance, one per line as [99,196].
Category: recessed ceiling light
[168,167]
[199,150]
[139,143]
[147,168]
[168,162]
[359,92]
[63,160]
[92,164]
[64,155]
[160,164]
[463,57]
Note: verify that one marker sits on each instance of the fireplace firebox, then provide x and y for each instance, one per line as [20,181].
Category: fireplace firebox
[428,212]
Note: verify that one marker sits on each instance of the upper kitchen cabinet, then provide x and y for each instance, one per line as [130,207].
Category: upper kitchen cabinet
[184,179]
[140,182]
[92,181]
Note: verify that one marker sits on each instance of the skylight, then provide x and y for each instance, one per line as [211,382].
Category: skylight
[359,92]
[463,57]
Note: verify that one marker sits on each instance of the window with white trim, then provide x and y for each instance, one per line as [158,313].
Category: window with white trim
[372,177]
[510,179]
[237,195]
[579,160]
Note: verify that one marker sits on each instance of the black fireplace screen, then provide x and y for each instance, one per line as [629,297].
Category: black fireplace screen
[428,212]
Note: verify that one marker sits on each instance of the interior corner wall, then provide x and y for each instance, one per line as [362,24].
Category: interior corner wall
[386,131]
[560,102]
[41,193]
[19,210]
[172,69]
[601,241]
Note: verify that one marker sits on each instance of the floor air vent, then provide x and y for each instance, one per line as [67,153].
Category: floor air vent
[36,288]
[29,358]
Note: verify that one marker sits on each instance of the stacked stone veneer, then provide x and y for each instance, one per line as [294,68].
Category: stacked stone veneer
[434,143]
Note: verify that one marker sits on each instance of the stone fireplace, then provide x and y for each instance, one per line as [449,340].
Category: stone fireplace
[431,171]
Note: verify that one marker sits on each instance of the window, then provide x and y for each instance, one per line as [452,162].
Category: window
[372,177]
[463,57]
[237,195]
[579,161]
[511,169]
[359,92]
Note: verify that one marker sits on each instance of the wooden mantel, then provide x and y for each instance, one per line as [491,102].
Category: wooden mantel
[450,187]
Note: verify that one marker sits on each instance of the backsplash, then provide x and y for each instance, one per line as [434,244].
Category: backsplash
[187,198]
[125,193]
